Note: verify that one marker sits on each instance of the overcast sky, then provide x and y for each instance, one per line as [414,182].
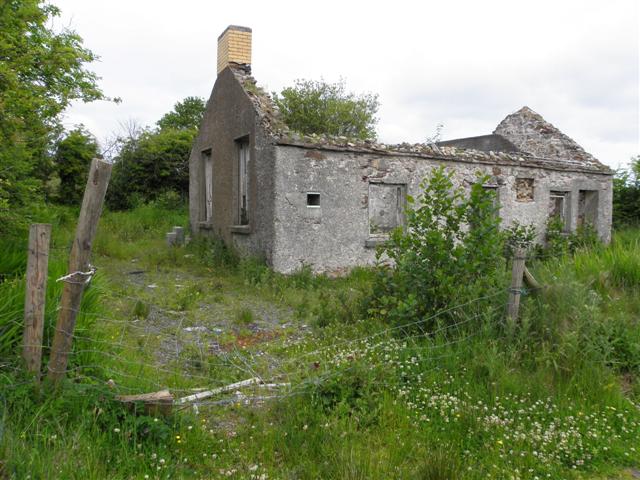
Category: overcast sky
[464,64]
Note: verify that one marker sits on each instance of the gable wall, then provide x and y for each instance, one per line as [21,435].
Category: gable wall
[229,116]
[336,236]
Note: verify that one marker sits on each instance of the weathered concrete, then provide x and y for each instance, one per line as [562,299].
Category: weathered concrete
[338,236]
[229,117]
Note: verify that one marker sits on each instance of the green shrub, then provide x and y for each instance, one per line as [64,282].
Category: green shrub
[73,157]
[518,236]
[318,107]
[558,242]
[149,166]
[450,253]
[626,195]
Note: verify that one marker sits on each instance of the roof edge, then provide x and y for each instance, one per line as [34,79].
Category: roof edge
[445,154]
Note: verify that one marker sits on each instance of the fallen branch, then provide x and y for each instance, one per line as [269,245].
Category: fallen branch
[210,393]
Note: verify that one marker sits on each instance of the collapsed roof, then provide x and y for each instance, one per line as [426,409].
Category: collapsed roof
[523,138]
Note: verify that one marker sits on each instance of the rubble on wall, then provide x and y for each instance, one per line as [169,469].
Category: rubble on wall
[554,157]
[524,189]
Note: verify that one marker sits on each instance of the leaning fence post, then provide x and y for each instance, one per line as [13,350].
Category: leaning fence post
[79,268]
[35,294]
[517,272]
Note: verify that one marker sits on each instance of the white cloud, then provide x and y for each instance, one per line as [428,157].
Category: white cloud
[465,64]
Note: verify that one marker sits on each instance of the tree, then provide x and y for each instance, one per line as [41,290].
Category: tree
[626,195]
[73,156]
[449,253]
[318,107]
[186,115]
[41,72]
[154,163]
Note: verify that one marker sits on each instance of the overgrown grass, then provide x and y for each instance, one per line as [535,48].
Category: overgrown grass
[12,295]
[556,398]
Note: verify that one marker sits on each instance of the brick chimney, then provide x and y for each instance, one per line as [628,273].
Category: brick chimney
[234,46]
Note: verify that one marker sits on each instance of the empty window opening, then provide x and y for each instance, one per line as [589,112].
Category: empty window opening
[313,199]
[587,207]
[524,189]
[386,207]
[243,182]
[493,191]
[559,207]
[207,167]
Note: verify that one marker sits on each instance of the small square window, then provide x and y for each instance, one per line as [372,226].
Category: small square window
[313,199]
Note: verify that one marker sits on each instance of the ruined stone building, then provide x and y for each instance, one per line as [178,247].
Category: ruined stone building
[328,202]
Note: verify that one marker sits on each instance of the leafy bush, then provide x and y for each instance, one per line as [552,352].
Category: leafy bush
[186,115]
[518,236]
[626,195]
[450,252]
[559,242]
[150,166]
[73,156]
[318,107]
[43,70]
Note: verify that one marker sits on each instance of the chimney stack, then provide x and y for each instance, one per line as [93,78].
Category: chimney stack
[234,46]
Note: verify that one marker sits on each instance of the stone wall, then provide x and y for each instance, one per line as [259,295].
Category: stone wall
[336,234]
[533,135]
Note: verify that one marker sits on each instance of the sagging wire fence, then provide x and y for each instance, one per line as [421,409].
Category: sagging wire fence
[135,356]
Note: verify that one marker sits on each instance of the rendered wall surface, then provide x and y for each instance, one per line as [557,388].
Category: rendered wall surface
[229,119]
[336,236]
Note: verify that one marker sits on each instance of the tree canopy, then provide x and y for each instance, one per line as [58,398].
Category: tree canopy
[318,107]
[41,72]
[186,115]
[155,163]
[626,195]
[73,156]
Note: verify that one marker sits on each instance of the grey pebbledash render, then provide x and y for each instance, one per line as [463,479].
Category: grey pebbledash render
[328,202]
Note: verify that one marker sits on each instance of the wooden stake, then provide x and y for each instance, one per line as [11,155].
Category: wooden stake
[154,403]
[517,273]
[94,193]
[35,295]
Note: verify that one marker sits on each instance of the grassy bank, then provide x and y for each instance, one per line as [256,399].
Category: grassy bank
[556,398]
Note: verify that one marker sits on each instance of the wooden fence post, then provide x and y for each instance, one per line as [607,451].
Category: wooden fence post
[35,295]
[517,273]
[94,193]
